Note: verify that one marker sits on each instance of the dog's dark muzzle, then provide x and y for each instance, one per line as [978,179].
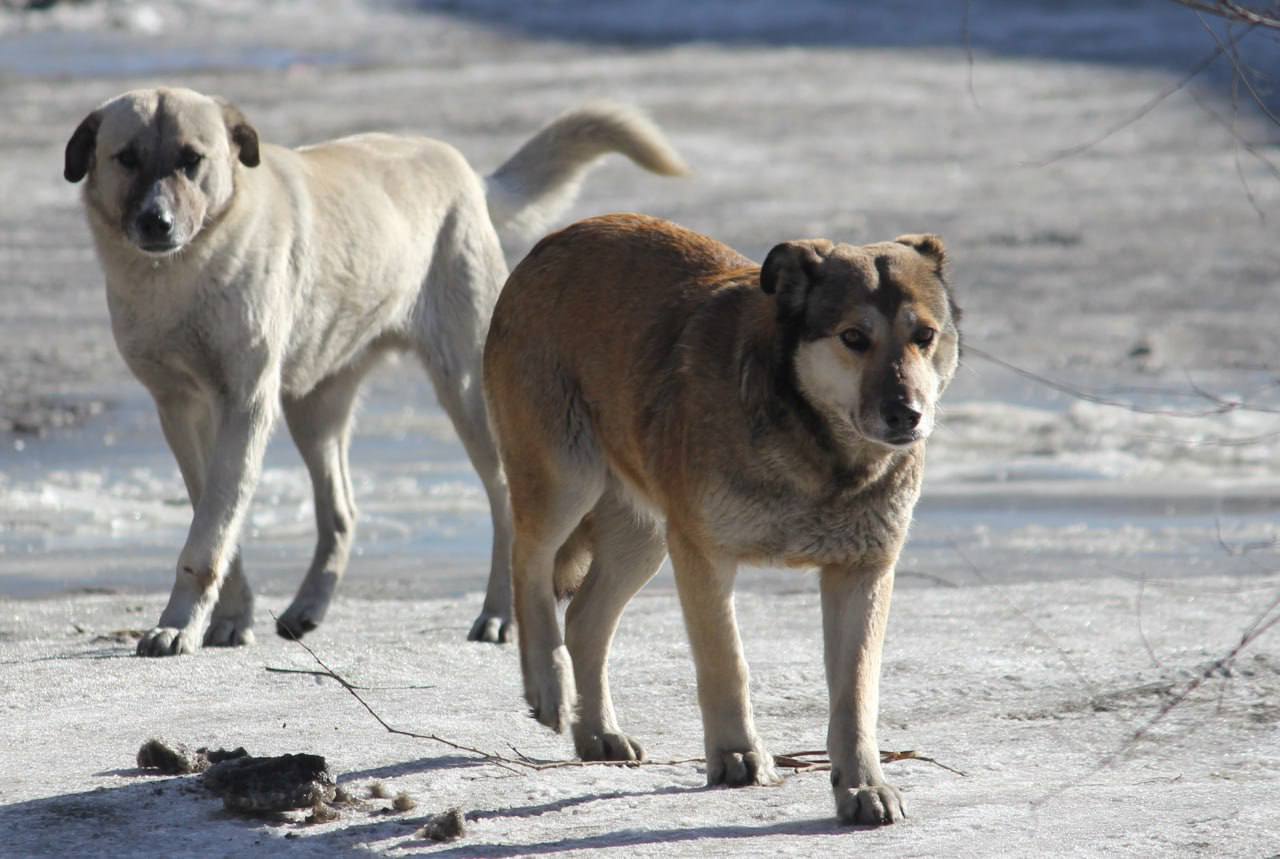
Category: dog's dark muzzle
[154,230]
[901,421]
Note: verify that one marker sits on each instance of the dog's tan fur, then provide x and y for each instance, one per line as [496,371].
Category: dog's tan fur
[656,386]
[245,278]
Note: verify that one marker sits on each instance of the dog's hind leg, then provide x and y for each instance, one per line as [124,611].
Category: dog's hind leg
[735,754]
[550,502]
[466,408]
[628,548]
[320,423]
[452,319]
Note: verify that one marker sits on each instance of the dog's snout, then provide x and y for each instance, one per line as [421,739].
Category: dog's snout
[155,224]
[901,415]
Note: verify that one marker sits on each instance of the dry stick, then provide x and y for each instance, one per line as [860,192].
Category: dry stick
[1151,105]
[1259,627]
[968,51]
[1232,12]
[1221,406]
[1230,49]
[274,670]
[527,763]
[1243,142]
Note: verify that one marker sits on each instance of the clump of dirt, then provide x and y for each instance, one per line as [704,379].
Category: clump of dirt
[177,759]
[264,785]
[446,826]
[378,790]
[170,758]
[403,802]
[322,813]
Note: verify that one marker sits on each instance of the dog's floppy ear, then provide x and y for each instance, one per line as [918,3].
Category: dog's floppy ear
[80,148]
[927,245]
[243,135]
[789,271]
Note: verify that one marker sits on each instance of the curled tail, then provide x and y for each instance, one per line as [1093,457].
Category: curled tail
[541,180]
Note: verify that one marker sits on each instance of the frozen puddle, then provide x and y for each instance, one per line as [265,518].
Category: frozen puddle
[1013,490]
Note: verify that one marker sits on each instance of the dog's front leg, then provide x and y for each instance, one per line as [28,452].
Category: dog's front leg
[855,611]
[735,754]
[242,427]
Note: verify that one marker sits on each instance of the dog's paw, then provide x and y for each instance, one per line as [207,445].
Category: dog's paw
[168,641]
[229,632]
[741,767]
[870,805]
[295,623]
[606,746]
[551,693]
[492,628]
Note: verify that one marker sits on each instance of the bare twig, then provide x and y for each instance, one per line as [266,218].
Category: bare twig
[798,761]
[1229,48]
[522,762]
[968,50]
[1141,112]
[1235,12]
[274,670]
[1217,405]
[1262,622]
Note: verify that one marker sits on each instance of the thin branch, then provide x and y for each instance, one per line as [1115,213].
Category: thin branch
[274,670]
[968,50]
[1141,112]
[1233,55]
[522,762]
[1263,622]
[1218,405]
[1232,12]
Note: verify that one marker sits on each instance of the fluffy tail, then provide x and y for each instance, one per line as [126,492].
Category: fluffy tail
[542,179]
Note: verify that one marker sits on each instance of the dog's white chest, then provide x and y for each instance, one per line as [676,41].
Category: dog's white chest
[777,524]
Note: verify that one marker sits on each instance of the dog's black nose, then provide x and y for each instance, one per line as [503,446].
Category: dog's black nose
[901,415]
[155,225]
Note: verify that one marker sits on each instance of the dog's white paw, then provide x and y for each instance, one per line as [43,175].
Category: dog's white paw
[605,746]
[869,805]
[741,767]
[229,632]
[168,641]
[492,628]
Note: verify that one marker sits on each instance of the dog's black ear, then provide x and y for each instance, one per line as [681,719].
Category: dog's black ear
[243,135]
[80,147]
[927,245]
[789,271]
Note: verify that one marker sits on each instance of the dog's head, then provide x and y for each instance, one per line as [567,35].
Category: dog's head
[161,163]
[874,329]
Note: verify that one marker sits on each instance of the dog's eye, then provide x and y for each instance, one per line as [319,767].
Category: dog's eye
[855,340]
[128,159]
[924,337]
[189,159]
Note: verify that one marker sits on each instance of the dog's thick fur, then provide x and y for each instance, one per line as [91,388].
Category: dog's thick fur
[653,391]
[245,279]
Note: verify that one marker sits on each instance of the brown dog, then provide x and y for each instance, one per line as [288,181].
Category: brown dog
[652,390]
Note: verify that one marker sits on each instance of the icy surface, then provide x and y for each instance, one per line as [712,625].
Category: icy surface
[1073,564]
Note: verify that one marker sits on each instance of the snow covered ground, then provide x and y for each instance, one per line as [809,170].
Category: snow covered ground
[1073,563]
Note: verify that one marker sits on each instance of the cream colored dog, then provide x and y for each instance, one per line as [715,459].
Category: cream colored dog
[653,391]
[245,279]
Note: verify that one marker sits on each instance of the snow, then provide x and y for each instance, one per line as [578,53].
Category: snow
[1073,564]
